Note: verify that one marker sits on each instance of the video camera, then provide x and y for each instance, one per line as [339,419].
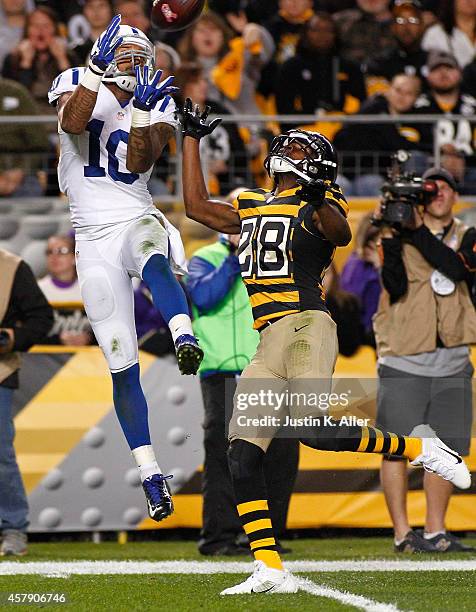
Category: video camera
[403,191]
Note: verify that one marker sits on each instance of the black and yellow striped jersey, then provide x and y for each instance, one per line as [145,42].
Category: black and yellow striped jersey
[282,255]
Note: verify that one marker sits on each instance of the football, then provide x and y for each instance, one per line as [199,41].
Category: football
[174,15]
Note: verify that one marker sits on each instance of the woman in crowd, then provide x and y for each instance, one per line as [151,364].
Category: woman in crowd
[456,32]
[39,57]
[232,64]
[61,289]
[85,29]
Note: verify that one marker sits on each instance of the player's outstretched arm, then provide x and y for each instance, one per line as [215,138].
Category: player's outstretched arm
[215,214]
[75,111]
[146,142]
[326,218]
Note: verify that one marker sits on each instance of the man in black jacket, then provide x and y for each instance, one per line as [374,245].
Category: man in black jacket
[316,79]
[407,57]
[25,319]
[456,139]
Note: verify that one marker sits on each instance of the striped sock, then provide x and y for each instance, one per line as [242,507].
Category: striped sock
[373,440]
[256,521]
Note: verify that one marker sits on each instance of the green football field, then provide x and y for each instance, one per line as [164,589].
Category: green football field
[335,574]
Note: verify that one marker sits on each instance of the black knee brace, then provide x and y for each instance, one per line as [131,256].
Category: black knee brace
[244,459]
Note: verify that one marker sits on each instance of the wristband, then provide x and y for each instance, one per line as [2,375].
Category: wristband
[140,118]
[91,80]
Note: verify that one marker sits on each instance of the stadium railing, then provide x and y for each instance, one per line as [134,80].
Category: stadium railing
[168,184]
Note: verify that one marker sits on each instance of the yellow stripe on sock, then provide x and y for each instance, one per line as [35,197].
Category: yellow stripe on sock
[378,441]
[258,525]
[393,443]
[364,442]
[252,506]
[263,542]
[270,558]
[413,448]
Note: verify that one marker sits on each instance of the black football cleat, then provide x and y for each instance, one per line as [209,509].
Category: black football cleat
[157,494]
[189,354]
[415,543]
[446,542]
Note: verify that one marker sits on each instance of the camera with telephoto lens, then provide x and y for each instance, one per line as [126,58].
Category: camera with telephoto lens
[402,192]
[4,339]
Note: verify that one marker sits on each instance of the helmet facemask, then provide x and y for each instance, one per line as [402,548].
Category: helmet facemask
[319,161]
[142,54]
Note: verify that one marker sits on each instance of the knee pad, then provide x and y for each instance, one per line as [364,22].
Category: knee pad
[118,345]
[117,339]
[244,459]
[97,294]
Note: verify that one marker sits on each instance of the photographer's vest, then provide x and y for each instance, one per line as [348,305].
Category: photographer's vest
[9,263]
[413,324]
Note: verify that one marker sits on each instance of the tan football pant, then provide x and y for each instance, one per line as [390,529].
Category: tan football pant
[297,353]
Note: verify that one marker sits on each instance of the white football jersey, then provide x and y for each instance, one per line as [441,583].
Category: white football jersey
[92,166]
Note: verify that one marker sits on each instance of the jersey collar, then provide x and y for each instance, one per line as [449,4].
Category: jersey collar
[287,192]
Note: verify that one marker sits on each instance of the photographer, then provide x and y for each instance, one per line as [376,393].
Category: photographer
[423,326]
[25,319]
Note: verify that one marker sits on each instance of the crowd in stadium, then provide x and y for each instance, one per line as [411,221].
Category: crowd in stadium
[281,57]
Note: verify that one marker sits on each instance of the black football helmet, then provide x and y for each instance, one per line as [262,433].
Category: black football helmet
[320,161]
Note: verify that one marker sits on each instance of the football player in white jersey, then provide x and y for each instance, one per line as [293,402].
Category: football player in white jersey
[114,118]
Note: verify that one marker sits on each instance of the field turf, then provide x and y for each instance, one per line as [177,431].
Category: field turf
[387,591]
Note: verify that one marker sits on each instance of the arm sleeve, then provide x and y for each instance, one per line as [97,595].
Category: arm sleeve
[438,254]
[208,285]
[36,315]
[394,275]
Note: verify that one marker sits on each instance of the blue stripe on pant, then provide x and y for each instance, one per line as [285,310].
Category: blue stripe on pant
[13,502]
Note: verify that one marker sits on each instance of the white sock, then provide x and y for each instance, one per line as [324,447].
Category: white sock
[398,542]
[146,461]
[428,536]
[179,325]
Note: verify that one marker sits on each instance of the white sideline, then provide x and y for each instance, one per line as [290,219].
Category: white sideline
[358,601]
[11,568]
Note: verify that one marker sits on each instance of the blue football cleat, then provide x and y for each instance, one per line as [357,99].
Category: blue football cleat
[157,494]
[189,354]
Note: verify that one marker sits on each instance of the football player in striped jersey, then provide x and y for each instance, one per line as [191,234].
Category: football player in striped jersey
[288,238]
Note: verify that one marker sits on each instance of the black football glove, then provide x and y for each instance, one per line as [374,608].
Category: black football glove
[195,122]
[312,191]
